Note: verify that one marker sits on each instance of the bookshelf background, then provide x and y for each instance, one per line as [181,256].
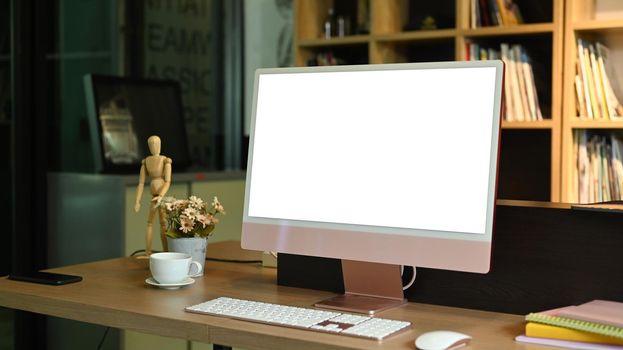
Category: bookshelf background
[592,21]
[530,166]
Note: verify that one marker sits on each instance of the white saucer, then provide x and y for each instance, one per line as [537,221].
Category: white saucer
[153,282]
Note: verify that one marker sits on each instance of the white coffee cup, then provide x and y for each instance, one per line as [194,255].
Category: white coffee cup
[172,268]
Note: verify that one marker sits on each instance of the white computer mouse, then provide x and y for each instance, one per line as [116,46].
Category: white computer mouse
[441,340]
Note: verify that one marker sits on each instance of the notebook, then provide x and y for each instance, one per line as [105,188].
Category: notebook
[597,311]
[567,343]
[552,317]
[541,330]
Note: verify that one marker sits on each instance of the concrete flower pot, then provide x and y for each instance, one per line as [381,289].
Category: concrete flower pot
[195,246]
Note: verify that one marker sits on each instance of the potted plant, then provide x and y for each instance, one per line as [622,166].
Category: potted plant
[189,224]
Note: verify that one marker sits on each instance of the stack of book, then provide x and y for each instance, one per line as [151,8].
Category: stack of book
[484,13]
[598,171]
[521,102]
[594,325]
[325,59]
[596,85]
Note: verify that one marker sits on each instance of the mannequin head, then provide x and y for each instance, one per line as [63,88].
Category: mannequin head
[153,142]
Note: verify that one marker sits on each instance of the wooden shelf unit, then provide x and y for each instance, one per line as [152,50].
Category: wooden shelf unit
[542,124]
[388,42]
[582,21]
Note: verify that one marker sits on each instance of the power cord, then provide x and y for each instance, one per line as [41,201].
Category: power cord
[236,261]
[142,251]
[402,268]
[99,346]
[212,259]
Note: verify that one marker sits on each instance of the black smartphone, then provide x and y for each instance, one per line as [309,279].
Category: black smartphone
[55,279]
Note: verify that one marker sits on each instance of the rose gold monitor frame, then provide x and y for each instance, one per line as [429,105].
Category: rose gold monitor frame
[371,256]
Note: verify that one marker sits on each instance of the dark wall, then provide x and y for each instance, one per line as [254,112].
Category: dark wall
[543,257]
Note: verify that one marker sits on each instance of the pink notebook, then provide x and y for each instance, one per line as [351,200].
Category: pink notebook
[597,311]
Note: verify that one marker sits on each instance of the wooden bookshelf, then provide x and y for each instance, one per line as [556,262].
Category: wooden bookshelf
[392,39]
[585,19]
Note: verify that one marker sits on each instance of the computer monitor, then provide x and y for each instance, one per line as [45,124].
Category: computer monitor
[123,112]
[377,165]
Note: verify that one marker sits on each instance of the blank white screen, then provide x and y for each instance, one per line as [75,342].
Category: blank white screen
[395,148]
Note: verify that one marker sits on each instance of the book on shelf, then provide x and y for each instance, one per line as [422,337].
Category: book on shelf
[495,13]
[581,164]
[521,101]
[615,188]
[590,79]
[597,176]
[325,59]
[533,98]
[518,111]
[485,13]
[509,108]
[474,14]
[610,83]
[483,54]
[575,176]
[510,13]
[596,83]
[582,72]
[580,102]
[502,10]
[521,82]
[575,318]
[568,344]
[599,89]
[606,189]
[598,167]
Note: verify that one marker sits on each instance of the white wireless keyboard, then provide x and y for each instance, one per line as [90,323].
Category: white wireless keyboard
[297,317]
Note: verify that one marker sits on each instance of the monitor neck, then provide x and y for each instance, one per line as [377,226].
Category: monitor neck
[369,288]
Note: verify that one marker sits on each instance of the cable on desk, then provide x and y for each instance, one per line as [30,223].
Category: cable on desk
[143,251]
[236,261]
[212,259]
[99,346]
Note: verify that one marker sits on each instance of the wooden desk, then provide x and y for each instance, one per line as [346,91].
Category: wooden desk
[114,293]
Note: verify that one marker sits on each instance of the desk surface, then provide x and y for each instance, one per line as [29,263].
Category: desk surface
[114,293]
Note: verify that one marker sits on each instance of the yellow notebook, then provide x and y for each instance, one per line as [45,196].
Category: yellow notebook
[541,330]
[549,318]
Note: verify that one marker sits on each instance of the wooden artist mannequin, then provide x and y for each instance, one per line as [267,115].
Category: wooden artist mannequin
[158,168]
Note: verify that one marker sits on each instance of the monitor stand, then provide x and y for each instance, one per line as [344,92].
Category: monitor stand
[369,288]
